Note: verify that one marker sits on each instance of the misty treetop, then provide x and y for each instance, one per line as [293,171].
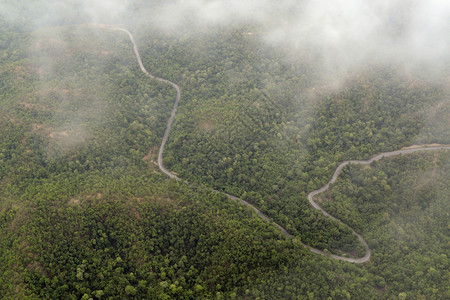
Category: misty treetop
[270,106]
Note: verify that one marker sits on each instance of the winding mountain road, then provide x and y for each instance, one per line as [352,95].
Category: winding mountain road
[311,195]
[174,108]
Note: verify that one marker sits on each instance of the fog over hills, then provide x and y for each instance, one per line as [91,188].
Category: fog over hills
[344,33]
[276,97]
[341,38]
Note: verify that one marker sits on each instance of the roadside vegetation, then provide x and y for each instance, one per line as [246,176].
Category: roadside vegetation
[85,212]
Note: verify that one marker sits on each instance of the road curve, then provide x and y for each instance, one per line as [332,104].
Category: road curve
[311,195]
[174,108]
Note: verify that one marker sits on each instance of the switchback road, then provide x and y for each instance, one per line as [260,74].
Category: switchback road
[311,195]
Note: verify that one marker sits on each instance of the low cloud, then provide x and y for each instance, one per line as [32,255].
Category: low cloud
[342,33]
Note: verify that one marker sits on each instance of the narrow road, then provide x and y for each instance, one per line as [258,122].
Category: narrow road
[311,195]
[174,108]
[335,176]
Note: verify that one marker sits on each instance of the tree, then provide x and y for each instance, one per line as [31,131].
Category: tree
[130,290]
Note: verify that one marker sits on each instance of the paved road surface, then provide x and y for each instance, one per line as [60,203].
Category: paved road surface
[311,195]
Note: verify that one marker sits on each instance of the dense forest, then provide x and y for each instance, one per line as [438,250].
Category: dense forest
[401,206]
[86,213]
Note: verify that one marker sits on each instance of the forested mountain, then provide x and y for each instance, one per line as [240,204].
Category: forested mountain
[401,206]
[86,213]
